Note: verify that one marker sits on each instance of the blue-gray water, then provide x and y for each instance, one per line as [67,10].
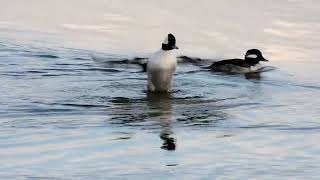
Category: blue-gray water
[67,113]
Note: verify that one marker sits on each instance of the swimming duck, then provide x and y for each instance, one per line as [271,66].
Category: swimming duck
[249,64]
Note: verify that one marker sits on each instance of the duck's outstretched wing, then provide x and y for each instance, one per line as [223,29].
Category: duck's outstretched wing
[114,61]
[143,62]
[193,60]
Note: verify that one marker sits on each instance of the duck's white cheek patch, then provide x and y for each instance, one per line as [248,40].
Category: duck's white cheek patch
[165,41]
[252,56]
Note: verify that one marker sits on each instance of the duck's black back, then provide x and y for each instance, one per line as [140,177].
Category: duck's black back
[236,62]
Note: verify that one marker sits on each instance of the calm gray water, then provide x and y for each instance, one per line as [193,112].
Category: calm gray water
[66,112]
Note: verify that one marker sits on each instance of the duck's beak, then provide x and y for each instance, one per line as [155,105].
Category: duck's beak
[263,59]
[175,47]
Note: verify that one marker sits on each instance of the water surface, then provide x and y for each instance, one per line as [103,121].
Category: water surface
[66,112]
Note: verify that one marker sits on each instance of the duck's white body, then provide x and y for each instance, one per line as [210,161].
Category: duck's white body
[160,69]
[255,68]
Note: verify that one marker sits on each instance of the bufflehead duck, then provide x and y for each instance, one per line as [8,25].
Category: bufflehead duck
[249,64]
[161,66]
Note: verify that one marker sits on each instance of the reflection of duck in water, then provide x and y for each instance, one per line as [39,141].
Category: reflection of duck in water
[162,102]
[169,143]
[253,76]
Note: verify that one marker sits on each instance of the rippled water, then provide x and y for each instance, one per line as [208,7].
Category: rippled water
[71,107]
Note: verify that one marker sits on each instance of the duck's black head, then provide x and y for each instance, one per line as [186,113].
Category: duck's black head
[254,56]
[169,43]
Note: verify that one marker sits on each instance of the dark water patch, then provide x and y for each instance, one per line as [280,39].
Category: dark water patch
[232,85]
[172,165]
[117,85]
[198,100]
[70,74]
[208,120]
[13,75]
[75,65]
[148,120]
[187,100]
[122,138]
[124,100]
[79,125]
[29,51]
[100,69]
[193,71]
[63,64]
[231,106]
[59,69]
[53,120]
[59,75]
[54,75]
[259,126]
[315,128]
[78,105]
[14,50]
[36,113]
[204,114]
[98,80]
[82,59]
[15,72]
[42,178]
[106,58]
[155,96]
[190,111]
[137,78]
[186,97]
[287,84]
[123,61]
[37,110]
[36,72]
[46,56]
[31,54]
[133,121]
[275,106]
[225,136]
[307,86]
[23,73]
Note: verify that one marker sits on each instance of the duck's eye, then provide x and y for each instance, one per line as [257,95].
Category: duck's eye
[252,56]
